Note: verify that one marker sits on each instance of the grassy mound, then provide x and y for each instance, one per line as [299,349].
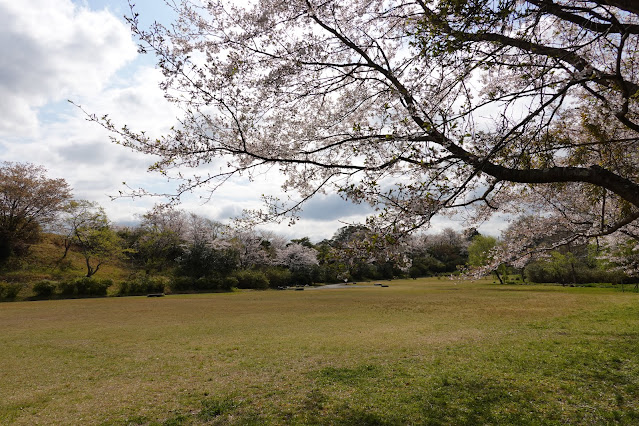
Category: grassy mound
[44,263]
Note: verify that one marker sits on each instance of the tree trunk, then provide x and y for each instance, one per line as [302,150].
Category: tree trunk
[91,270]
[573,273]
[67,247]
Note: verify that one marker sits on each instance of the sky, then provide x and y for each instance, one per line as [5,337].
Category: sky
[54,51]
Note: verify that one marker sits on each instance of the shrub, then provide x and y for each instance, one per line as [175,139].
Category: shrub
[229,282]
[185,284]
[251,279]
[9,291]
[207,284]
[93,287]
[181,284]
[302,276]
[547,272]
[44,289]
[84,287]
[278,277]
[188,284]
[142,286]
[67,288]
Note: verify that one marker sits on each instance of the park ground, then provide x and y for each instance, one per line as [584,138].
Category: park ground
[428,351]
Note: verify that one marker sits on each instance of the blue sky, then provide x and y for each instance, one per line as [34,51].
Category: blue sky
[82,50]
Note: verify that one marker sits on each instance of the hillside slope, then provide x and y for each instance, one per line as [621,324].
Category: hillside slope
[44,262]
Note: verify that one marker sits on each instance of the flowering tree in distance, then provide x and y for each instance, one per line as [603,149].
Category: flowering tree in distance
[29,202]
[416,107]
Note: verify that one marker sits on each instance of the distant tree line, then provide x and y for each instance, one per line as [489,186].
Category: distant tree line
[174,250]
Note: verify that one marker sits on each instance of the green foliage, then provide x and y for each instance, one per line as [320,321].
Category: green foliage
[207,284]
[248,278]
[278,277]
[302,275]
[305,241]
[9,291]
[152,249]
[202,260]
[479,250]
[88,228]
[447,256]
[569,268]
[426,266]
[141,286]
[438,254]
[84,287]
[229,283]
[44,289]
[73,288]
[388,271]
[181,284]
[414,272]
[354,253]
[361,271]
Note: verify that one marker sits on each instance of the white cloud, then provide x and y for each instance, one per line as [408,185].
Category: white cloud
[53,50]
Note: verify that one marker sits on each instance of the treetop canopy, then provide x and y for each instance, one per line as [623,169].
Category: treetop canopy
[415,107]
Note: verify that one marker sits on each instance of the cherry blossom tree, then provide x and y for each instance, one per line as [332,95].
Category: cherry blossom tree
[415,107]
[296,256]
[167,219]
[256,247]
[29,202]
[624,252]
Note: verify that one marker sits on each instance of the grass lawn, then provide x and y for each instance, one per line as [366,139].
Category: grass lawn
[417,352]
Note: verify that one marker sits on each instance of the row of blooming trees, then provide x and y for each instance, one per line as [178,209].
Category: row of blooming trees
[202,254]
[416,107]
[207,255]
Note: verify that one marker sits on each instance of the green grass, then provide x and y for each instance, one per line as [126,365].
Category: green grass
[417,352]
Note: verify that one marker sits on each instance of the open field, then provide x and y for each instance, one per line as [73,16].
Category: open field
[417,352]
